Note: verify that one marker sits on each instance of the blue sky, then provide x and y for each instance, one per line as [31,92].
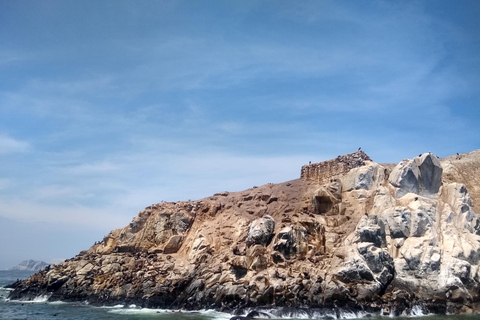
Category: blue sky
[109,106]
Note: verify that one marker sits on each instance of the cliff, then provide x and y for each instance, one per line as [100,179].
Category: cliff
[349,233]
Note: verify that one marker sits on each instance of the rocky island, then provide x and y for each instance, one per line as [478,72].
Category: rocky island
[349,234]
[30,265]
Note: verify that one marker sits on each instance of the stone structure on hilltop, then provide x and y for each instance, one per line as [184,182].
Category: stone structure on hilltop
[349,233]
[322,172]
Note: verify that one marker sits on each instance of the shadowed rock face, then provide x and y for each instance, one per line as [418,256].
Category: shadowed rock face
[350,232]
[261,231]
[421,175]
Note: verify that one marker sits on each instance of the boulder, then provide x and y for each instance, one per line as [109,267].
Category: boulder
[421,175]
[173,244]
[405,177]
[291,242]
[364,178]
[255,258]
[430,173]
[261,231]
[382,201]
[354,269]
[376,258]
[372,230]
[397,220]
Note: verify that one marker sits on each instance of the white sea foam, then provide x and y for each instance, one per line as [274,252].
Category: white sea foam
[57,302]
[133,310]
[216,314]
[42,298]
[417,311]
[144,311]
[345,314]
[39,299]
[117,306]
[5,289]
[327,313]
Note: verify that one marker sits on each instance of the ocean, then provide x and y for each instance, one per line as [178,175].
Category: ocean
[40,309]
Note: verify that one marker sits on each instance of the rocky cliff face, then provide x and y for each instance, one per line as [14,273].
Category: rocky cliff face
[350,232]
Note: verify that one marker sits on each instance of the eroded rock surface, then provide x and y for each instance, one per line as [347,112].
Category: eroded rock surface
[350,232]
[422,175]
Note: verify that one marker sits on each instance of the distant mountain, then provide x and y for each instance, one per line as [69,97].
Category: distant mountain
[30,265]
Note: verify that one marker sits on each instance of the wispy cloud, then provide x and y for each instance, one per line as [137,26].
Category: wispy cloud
[74,215]
[11,145]
[92,168]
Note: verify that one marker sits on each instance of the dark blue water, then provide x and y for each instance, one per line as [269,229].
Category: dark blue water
[42,310]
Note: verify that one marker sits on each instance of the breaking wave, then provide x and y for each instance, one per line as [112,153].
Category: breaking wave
[180,314]
[417,311]
[299,313]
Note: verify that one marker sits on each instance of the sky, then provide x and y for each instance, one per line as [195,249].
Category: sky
[109,106]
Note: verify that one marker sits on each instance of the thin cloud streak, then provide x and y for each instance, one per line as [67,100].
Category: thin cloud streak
[10,145]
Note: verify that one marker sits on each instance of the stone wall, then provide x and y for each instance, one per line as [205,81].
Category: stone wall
[322,172]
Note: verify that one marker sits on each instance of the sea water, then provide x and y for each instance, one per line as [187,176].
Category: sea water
[40,309]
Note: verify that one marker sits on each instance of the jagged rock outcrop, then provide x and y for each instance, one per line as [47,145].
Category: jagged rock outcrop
[350,232]
[422,175]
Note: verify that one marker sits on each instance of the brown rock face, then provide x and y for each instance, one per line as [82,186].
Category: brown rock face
[349,232]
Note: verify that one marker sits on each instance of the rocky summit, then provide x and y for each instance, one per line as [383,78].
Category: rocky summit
[349,233]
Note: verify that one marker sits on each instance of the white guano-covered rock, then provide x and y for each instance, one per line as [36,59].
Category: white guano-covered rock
[420,175]
[405,177]
[397,221]
[364,178]
[430,173]
[458,209]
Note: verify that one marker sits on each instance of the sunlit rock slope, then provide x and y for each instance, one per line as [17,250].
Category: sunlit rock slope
[348,233]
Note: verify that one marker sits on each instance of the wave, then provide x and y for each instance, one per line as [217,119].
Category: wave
[42,298]
[133,310]
[117,306]
[39,299]
[305,313]
[57,302]
[327,313]
[417,311]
